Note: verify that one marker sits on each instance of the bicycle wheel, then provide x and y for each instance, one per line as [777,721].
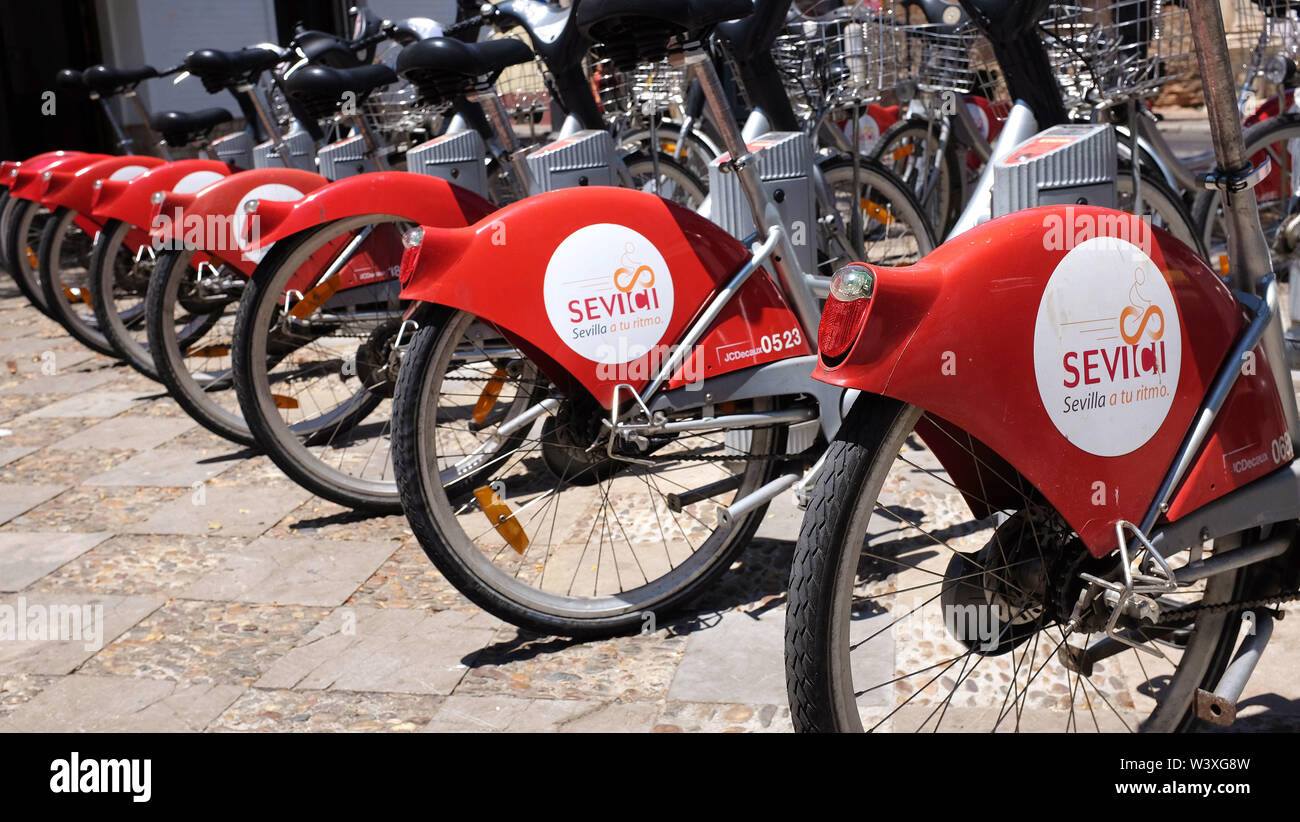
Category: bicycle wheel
[700,150]
[908,613]
[24,226]
[119,282]
[667,178]
[895,231]
[530,516]
[196,368]
[64,265]
[315,375]
[1160,206]
[910,149]
[1278,196]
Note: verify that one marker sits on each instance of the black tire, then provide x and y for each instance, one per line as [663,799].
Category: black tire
[818,617]
[289,445]
[222,419]
[944,204]
[4,247]
[430,524]
[65,271]
[23,226]
[123,328]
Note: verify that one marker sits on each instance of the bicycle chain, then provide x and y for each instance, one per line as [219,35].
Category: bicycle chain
[1182,614]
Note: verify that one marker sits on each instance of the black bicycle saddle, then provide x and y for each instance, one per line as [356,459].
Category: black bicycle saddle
[106,80]
[639,30]
[179,128]
[442,67]
[319,89]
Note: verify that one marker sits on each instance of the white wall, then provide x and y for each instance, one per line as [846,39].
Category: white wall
[444,11]
[161,32]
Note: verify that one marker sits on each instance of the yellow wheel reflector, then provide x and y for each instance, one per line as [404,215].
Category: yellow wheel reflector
[488,399]
[499,514]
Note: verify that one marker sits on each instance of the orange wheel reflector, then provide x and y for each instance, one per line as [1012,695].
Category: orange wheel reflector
[314,299]
[488,399]
[281,401]
[903,152]
[32,259]
[877,212]
[1223,264]
[502,519]
[209,351]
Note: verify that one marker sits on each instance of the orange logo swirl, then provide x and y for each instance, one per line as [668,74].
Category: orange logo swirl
[636,276]
[1130,312]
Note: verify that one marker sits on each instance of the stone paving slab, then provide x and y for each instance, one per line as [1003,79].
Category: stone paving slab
[131,432]
[741,659]
[245,512]
[26,556]
[142,564]
[8,455]
[206,642]
[165,468]
[113,704]
[376,649]
[96,509]
[99,620]
[472,714]
[68,382]
[99,404]
[324,711]
[17,499]
[300,571]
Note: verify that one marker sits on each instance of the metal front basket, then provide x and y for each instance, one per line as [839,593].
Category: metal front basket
[1259,30]
[849,57]
[647,87]
[939,57]
[1111,51]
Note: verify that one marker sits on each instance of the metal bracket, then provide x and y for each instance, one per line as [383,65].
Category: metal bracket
[1234,181]
[1137,584]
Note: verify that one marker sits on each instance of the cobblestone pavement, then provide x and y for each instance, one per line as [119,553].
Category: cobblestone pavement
[234,601]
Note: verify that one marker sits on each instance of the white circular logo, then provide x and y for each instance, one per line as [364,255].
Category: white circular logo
[127,173]
[608,293]
[248,227]
[1107,347]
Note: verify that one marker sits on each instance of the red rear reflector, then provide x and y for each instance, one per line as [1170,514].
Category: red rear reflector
[839,327]
[410,259]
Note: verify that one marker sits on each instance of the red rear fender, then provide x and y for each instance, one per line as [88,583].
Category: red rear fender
[30,178]
[415,197]
[214,218]
[75,188]
[600,280]
[129,200]
[1078,355]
